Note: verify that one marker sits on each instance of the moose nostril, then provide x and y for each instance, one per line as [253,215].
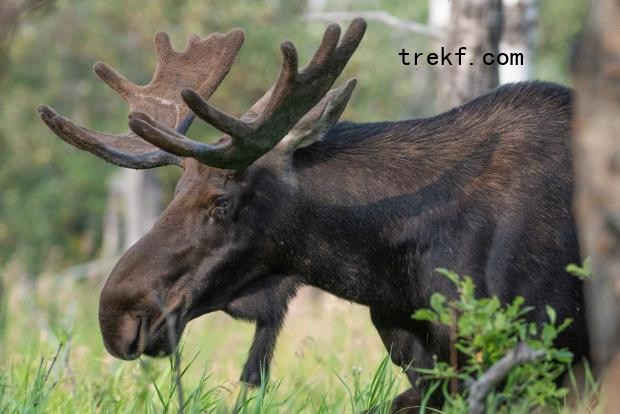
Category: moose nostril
[124,338]
[136,346]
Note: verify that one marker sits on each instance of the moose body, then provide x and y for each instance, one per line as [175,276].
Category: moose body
[365,211]
[484,189]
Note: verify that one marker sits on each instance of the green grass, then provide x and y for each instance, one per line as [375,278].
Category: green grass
[329,359]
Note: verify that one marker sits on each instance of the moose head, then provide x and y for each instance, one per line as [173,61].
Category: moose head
[219,241]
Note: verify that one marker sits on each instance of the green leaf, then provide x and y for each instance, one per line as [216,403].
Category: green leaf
[551,314]
[562,355]
[437,302]
[549,333]
[564,324]
[452,276]
[582,272]
[500,321]
[468,287]
[518,301]
[425,315]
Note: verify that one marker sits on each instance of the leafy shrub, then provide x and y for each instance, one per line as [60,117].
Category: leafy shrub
[484,331]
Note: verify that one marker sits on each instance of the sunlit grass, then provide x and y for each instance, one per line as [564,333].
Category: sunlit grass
[329,359]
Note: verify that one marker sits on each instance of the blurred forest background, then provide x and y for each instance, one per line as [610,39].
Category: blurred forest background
[66,215]
[54,199]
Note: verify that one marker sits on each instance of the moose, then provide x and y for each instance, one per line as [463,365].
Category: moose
[290,196]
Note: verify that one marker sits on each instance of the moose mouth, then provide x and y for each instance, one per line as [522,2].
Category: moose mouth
[163,341]
[161,338]
[165,332]
[159,335]
[158,338]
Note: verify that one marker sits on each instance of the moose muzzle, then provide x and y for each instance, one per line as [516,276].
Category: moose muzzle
[140,311]
[150,330]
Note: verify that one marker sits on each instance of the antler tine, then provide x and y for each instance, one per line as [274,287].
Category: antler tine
[284,86]
[350,41]
[163,47]
[276,114]
[103,145]
[317,70]
[202,65]
[226,123]
[172,141]
[235,127]
[114,80]
[328,45]
[162,136]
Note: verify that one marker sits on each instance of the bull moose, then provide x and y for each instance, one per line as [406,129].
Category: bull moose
[289,196]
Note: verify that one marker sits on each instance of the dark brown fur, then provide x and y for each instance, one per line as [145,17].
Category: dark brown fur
[367,214]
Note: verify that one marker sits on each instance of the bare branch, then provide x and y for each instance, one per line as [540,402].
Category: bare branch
[378,16]
[12,12]
[479,389]
[95,268]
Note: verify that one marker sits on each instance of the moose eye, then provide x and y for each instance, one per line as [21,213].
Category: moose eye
[221,206]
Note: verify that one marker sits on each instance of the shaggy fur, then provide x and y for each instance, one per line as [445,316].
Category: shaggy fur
[367,214]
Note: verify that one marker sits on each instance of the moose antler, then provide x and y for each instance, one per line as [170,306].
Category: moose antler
[298,105]
[202,65]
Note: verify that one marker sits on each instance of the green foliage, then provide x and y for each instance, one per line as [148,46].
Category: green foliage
[485,330]
[35,388]
[559,25]
[582,272]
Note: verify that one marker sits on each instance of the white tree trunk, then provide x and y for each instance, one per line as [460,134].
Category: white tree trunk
[439,13]
[134,203]
[519,25]
[143,203]
[476,25]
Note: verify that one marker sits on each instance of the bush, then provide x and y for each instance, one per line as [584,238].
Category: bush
[484,331]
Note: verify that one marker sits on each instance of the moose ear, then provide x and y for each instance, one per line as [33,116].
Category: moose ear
[320,119]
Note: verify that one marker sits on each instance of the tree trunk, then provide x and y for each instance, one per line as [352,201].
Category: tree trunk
[134,203]
[518,37]
[476,25]
[597,159]
[438,14]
